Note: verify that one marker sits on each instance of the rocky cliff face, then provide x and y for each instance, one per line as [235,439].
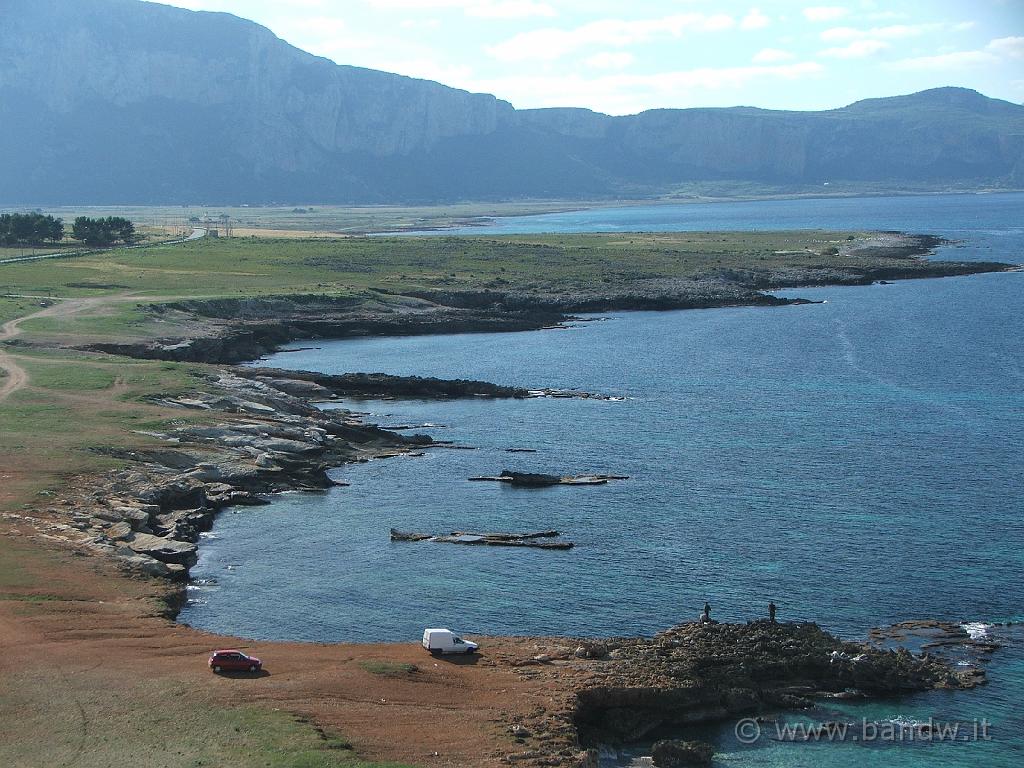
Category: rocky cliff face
[281,105]
[124,101]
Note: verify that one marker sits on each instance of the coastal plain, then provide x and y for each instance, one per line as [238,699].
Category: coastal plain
[103,353]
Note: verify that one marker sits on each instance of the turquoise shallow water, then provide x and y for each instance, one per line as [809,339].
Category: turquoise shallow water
[857,462]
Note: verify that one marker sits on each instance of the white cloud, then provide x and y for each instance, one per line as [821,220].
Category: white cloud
[487,9]
[420,23]
[772,55]
[551,43]
[955,60]
[825,12]
[630,93]
[886,15]
[428,69]
[314,26]
[610,60]
[997,51]
[858,49]
[755,20]
[839,34]
[891,32]
[1008,46]
[510,9]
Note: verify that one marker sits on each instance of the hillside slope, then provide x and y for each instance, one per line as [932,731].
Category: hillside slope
[121,101]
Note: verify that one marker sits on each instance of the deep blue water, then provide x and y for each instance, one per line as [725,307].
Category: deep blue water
[857,461]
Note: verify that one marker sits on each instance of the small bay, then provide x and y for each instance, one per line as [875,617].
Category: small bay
[856,461]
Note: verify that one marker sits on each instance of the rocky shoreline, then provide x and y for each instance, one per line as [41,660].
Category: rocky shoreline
[235,330]
[269,437]
[260,433]
[623,690]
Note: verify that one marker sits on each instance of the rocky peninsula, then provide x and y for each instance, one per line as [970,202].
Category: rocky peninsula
[624,690]
[228,330]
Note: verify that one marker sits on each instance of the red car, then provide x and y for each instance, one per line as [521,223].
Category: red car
[234,661]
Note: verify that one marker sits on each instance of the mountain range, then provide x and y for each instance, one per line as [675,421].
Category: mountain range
[123,101]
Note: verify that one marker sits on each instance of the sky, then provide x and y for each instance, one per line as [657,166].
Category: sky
[625,57]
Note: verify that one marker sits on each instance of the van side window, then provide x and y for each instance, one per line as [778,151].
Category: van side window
[457,640]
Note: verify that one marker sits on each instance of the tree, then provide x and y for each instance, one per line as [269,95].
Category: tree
[29,229]
[121,229]
[103,232]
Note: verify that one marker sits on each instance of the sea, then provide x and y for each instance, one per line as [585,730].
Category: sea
[855,461]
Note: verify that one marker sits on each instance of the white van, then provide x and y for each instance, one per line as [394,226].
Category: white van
[439,641]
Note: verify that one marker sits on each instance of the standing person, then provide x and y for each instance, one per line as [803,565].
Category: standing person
[706,616]
[771,612]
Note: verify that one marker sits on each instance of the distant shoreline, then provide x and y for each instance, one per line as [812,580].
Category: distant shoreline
[588,205]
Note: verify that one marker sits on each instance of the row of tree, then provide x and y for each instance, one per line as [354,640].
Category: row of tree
[30,229]
[103,231]
[38,229]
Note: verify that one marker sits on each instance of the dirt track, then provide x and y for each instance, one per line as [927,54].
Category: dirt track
[90,670]
[17,377]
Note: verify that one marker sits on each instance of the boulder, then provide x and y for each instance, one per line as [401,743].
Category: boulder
[147,565]
[671,753]
[108,515]
[531,479]
[137,518]
[117,531]
[591,650]
[162,549]
[299,388]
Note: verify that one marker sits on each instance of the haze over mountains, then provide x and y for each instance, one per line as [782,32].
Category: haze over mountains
[122,101]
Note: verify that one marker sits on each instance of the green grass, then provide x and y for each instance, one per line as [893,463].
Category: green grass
[155,724]
[245,266]
[278,740]
[60,432]
[30,598]
[112,319]
[75,378]
[388,668]
[358,266]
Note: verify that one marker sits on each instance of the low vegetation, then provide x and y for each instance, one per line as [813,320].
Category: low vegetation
[389,668]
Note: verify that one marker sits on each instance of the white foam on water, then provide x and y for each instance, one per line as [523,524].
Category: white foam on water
[976,630]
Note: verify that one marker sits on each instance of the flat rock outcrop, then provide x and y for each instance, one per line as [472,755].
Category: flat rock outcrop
[252,438]
[617,691]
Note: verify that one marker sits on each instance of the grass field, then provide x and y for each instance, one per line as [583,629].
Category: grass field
[255,266]
[241,267]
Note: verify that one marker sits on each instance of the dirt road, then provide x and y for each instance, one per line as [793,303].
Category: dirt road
[91,673]
[17,377]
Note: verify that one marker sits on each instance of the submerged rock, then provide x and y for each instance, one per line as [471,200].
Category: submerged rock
[488,539]
[681,754]
[540,480]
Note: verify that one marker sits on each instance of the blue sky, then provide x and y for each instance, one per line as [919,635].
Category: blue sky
[624,57]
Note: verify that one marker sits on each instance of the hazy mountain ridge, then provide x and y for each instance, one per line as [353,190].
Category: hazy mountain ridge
[124,101]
